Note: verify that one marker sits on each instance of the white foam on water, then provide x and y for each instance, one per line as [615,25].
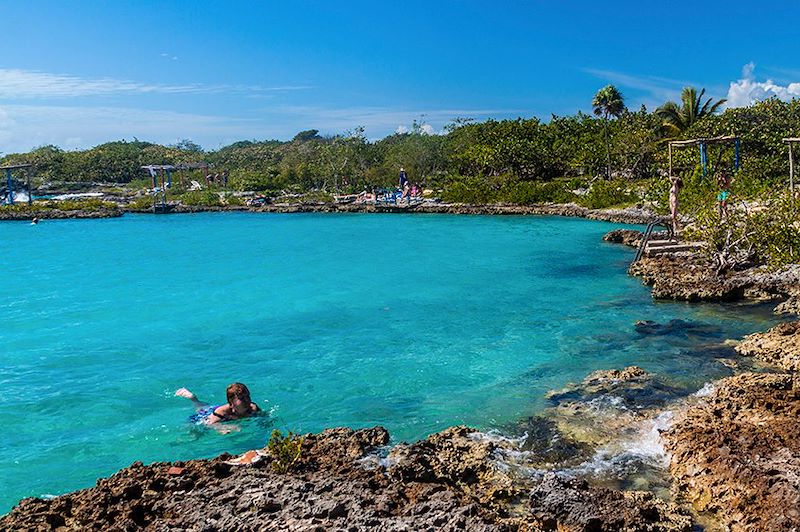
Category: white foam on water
[496,437]
[706,391]
[380,458]
[645,447]
[607,402]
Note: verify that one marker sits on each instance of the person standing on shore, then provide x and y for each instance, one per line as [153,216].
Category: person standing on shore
[677,184]
[724,182]
[403,179]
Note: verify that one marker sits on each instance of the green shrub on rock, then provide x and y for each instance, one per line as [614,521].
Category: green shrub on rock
[201,198]
[612,193]
[284,449]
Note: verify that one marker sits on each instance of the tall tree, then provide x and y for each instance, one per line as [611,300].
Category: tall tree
[679,118]
[608,102]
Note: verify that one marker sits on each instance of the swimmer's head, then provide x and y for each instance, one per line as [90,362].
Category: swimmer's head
[237,390]
[239,397]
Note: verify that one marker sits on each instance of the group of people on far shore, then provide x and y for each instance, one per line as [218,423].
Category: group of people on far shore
[724,180]
[407,188]
[220,178]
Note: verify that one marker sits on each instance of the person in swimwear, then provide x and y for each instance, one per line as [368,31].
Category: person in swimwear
[677,184]
[724,182]
[239,405]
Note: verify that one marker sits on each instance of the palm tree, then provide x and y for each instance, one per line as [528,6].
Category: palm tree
[608,102]
[679,118]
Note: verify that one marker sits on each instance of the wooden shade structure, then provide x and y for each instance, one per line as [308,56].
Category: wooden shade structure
[703,144]
[10,182]
[165,170]
[790,141]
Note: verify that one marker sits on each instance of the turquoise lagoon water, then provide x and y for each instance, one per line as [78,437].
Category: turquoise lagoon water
[414,322]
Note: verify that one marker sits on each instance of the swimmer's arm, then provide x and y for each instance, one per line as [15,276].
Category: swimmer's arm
[184,392]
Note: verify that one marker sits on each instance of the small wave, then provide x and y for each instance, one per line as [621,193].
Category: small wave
[706,391]
[379,458]
[637,460]
[494,436]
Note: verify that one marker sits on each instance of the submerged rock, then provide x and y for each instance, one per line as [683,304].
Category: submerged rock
[632,388]
[736,454]
[779,346]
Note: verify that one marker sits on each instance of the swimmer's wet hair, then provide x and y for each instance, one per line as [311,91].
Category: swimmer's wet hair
[237,389]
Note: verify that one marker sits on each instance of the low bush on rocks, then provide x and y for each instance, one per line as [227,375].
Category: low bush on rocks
[285,449]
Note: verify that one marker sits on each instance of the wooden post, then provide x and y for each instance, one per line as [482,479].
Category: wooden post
[670,160]
[791,171]
[9,188]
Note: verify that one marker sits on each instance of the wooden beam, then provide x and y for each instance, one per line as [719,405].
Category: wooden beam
[694,142]
[791,171]
[670,161]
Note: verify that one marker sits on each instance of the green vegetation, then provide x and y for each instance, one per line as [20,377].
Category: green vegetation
[91,204]
[767,232]
[200,198]
[614,158]
[285,450]
[608,102]
[679,118]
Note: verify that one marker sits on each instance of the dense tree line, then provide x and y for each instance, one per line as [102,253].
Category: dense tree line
[506,160]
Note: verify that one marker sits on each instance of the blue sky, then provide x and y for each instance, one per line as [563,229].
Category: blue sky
[76,74]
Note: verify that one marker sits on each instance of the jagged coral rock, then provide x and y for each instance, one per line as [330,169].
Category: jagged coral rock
[737,453]
[779,346]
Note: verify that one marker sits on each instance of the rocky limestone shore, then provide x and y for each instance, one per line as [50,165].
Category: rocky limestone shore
[736,454]
[449,481]
[691,276]
[631,215]
[779,346]
[56,214]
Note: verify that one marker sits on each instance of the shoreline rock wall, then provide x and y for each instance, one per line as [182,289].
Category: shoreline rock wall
[448,481]
[736,454]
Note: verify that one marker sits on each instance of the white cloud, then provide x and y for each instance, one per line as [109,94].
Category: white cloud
[747,90]
[29,84]
[427,129]
[401,130]
[657,89]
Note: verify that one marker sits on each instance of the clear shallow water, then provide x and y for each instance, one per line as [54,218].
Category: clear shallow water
[414,322]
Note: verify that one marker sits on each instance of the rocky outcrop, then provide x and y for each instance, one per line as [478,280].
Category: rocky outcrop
[449,481]
[692,277]
[560,504]
[629,215]
[55,214]
[780,346]
[684,277]
[627,237]
[736,454]
[789,307]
